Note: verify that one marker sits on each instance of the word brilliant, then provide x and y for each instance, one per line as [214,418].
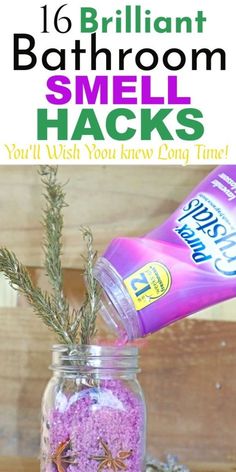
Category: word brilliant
[135,19]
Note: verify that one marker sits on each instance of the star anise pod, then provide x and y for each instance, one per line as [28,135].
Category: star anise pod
[60,458]
[107,461]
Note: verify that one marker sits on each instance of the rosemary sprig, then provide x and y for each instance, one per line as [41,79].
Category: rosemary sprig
[70,325]
[42,303]
[91,304]
[52,243]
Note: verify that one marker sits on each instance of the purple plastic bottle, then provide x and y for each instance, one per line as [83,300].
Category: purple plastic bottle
[186,264]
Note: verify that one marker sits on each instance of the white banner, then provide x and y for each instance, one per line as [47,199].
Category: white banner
[125,83]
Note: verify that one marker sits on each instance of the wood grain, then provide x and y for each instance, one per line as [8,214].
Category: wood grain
[112,200]
[8,464]
[189,370]
[189,380]
[74,290]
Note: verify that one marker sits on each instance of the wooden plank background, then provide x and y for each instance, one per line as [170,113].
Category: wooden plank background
[189,369]
[113,200]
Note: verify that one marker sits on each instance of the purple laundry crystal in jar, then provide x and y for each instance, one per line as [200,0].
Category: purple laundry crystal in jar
[103,427]
[93,411]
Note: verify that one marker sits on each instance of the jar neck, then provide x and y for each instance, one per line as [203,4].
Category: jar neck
[101,361]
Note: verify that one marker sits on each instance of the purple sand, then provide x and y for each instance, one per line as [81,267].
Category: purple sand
[111,412]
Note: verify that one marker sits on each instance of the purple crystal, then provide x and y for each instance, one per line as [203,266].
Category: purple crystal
[110,412]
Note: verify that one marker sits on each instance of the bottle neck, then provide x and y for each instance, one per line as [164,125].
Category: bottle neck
[117,308]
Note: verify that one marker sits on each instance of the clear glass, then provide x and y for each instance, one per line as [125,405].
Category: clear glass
[117,308]
[93,411]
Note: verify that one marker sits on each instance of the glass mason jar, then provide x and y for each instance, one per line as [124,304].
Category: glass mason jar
[93,411]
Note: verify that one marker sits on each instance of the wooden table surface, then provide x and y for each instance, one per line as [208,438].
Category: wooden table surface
[11,464]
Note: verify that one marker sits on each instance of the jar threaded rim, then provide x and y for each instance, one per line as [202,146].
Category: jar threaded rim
[95,358]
